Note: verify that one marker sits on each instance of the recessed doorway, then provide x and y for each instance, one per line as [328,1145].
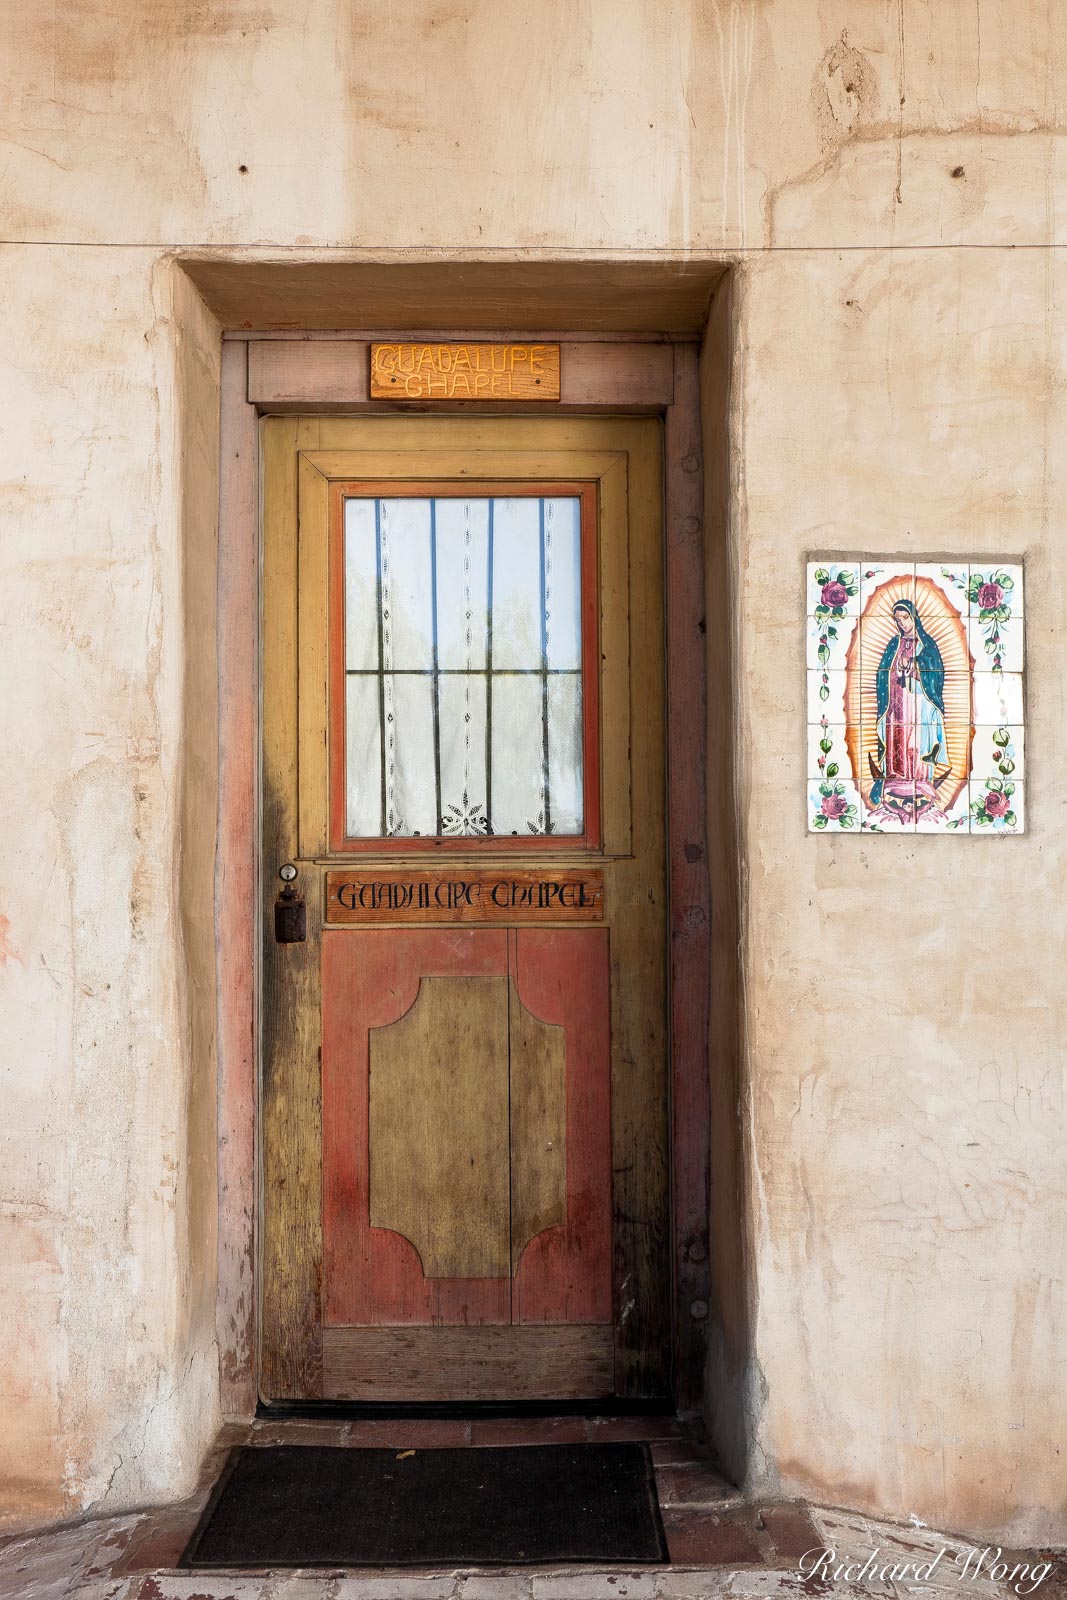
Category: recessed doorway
[465,1087]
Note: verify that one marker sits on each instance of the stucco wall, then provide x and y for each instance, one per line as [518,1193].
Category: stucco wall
[106,1370]
[905,1002]
[867,167]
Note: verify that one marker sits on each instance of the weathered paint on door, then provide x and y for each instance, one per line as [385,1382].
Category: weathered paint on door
[464,1120]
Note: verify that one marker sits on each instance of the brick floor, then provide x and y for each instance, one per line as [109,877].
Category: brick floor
[606,1430]
[790,1529]
[694,1483]
[676,1453]
[720,1547]
[157,1545]
[701,1538]
[413,1433]
[532,1430]
[298,1432]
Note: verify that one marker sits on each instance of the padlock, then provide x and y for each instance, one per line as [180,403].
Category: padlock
[290,911]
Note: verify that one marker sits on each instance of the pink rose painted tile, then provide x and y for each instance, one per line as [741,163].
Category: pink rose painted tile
[829,642]
[998,752]
[826,696]
[833,806]
[915,681]
[833,589]
[885,579]
[951,578]
[828,752]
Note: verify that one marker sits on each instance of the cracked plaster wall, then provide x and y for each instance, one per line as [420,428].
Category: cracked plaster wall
[871,168]
[108,1380]
[905,1007]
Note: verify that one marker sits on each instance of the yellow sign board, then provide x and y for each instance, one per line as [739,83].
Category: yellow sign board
[464,371]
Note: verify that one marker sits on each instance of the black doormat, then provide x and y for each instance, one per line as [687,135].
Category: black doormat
[312,1506]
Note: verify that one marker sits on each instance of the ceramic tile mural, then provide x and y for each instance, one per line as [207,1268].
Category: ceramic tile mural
[915,696]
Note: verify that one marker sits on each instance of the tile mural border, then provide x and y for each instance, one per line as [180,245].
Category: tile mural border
[915,695]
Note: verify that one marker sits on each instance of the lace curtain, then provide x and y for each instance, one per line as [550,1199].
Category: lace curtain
[463,655]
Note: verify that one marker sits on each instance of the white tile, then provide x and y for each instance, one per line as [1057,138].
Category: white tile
[874,636]
[838,807]
[979,702]
[829,584]
[885,820]
[832,635]
[959,749]
[871,822]
[997,821]
[954,819]
[994,642]
[997,697]
[877,571]
[998,752]
[836,756]
[950,577]
[994,584]
[829,704]
[1015,573]
[957,693]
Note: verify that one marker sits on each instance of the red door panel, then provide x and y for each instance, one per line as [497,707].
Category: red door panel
[370,979]
[565,1274]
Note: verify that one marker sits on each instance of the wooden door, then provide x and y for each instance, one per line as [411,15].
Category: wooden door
[464,1117]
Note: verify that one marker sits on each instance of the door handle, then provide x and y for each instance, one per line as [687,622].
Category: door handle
[290,910]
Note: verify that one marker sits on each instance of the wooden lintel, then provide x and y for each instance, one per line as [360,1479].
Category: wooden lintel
[287,373]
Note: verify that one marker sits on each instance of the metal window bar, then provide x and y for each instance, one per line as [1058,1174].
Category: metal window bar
[436,672]
[489,672]
[546,816]
[462,672]
[436,669]
[381,655]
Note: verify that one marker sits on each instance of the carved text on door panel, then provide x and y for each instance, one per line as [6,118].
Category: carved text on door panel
[439,1127]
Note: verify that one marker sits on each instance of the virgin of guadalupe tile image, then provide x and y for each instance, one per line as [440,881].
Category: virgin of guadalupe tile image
[915,696]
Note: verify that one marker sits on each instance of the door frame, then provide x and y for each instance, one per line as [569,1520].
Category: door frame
[264,374]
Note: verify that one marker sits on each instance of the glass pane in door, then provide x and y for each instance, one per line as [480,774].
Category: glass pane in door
[463,666]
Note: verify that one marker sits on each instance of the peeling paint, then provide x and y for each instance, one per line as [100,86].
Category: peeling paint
[7,949]
[844,91]
[871,169]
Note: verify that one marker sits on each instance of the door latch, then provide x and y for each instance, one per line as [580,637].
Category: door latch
[290,911]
